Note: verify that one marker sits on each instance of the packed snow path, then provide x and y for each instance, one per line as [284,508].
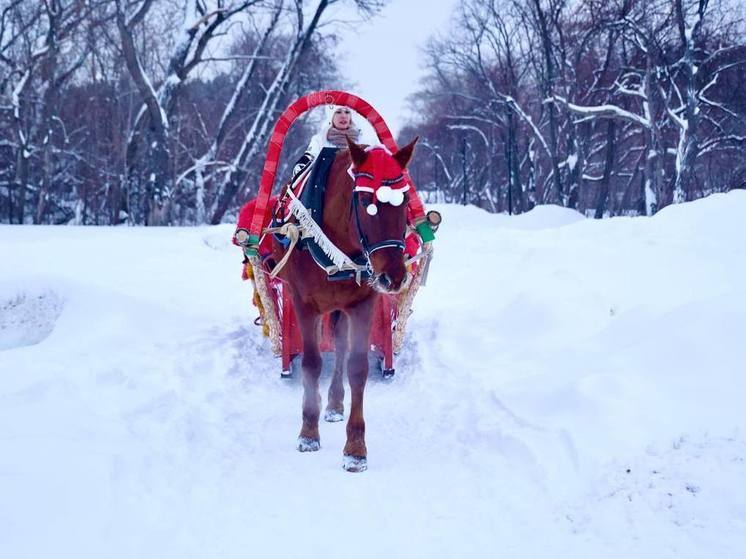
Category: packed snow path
[569,388]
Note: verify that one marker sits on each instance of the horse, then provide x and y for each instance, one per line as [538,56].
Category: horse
[359,222]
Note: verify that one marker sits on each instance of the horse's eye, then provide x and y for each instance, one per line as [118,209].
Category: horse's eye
[365,198]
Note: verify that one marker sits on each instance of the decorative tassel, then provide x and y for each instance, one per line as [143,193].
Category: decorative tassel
[248,273]
[406,298]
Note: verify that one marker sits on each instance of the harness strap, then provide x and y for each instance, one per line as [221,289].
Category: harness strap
[291,231]
[391,243]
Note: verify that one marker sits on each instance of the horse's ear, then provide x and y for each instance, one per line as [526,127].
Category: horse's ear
[405,154]
[358,154]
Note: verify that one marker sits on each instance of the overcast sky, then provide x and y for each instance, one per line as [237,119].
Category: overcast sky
[381,56]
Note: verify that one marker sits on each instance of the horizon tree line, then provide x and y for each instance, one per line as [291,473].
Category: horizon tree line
[151,112]
[606,106]
[158,112]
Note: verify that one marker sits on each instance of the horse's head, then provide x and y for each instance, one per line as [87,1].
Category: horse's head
[379,205]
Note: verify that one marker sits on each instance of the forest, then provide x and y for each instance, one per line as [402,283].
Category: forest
[610,107]
[158,112]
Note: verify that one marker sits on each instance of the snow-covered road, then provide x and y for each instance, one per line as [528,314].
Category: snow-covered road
[569,388]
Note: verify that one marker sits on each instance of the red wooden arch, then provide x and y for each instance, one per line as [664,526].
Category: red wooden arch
[305,103]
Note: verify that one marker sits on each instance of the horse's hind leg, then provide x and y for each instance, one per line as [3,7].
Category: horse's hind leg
[360,317]
[309,439]
[335,404]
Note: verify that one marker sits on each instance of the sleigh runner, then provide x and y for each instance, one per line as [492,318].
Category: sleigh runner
[293,219]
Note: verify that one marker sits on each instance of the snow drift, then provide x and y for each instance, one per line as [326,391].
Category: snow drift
[28,316]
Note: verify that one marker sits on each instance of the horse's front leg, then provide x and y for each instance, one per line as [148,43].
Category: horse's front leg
[309,439]
[335,404]
[360,318]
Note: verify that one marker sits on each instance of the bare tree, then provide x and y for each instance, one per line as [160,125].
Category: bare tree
[202,22]
[610,105]
[265,116]
[699,70]
[40,49]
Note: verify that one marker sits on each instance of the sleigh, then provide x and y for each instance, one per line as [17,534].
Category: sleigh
[272,296]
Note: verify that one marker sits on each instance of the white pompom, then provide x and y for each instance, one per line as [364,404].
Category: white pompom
[372,209]
[384,194]
[396,198]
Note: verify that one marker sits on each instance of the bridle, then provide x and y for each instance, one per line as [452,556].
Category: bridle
[369,249]
[389,190]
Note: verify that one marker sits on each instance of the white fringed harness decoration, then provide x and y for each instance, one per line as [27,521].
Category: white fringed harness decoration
[309,228]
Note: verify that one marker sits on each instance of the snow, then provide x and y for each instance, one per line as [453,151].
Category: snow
[568,388]
[540,217]
[688,33]
[606,110]
[152,94]
[572,160]
[651,199]
[28,317]
[15,97]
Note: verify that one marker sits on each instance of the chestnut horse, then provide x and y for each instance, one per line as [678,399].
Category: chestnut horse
[355,232]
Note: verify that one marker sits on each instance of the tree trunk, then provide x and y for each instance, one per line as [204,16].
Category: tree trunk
[654,186]
[260,128]
[688,147]
[158,156]
[548,90]
[603,191]
[575,164]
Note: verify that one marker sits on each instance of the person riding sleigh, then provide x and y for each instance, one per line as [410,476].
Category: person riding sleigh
[339,127]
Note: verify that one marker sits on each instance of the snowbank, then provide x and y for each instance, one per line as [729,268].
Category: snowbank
[569,388]
[28,316]
[540,217]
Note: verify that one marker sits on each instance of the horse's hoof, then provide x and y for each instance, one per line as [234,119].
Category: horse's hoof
[307,444]
[355,463]
[332,416]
